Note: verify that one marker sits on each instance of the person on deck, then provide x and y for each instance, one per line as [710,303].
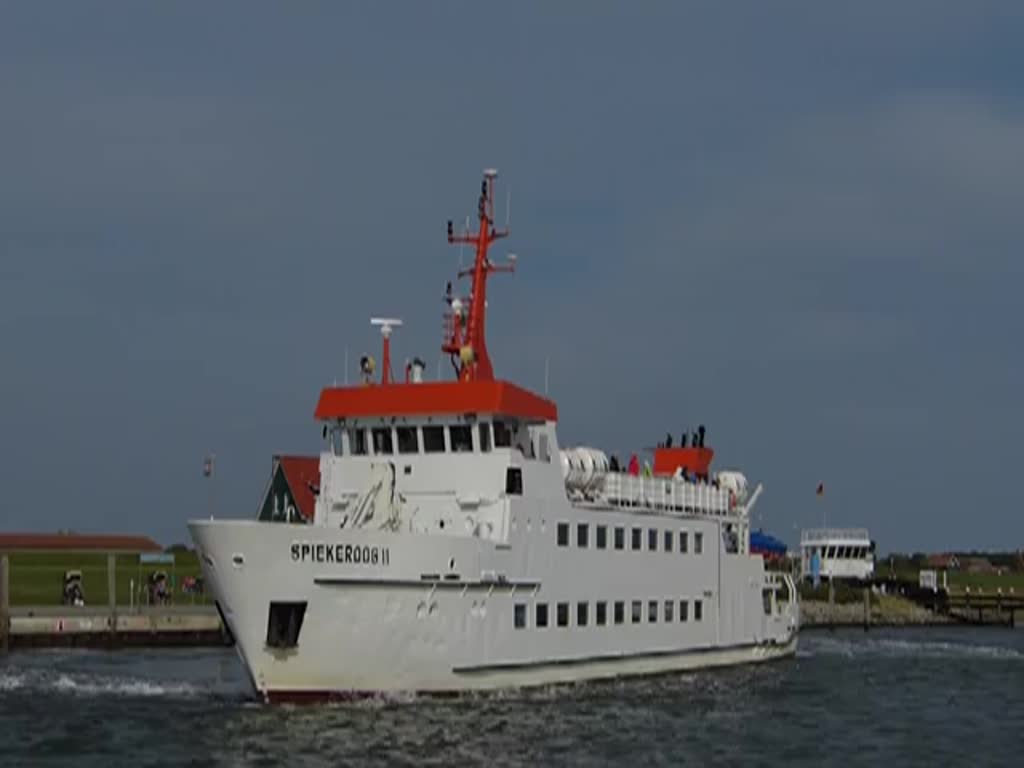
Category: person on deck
[634,465]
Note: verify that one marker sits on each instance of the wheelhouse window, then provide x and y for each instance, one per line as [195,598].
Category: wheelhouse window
[357,442]
[636,611]
[382,441]
[408,439]
[601,613]
[541,618]
[636,538]
[620,537]
[563,534]
[652,539]
[581,614]
[602,537]
[484,432]
[698,543]
[336,442]
[433,439]
[502,435]
[582,535]
[562,614]
[520,615]
[619,611]
[514,481]
[461,438]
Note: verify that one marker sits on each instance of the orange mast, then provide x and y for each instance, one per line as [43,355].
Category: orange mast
[465,339]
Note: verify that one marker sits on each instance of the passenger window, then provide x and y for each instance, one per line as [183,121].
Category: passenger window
[668,611]
[602,537]
[357,442]
[382,441]
[684,542]
[520,615]
[542,615]
[620,611]
[620,538]
[668,541]
[652,539]
[502,435]
[581,614]
[636,609]
[581,535]
[698,610]
[407,440]
[514,481]
[652,612]
[636,538]
[698,543]
[461,438]
[602,614]
[485,437]
[562,615]
[563,534]
[684,610]
[433,439]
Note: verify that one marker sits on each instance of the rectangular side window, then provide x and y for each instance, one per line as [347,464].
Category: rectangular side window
[408,439]
[357,442]
[652,611]
[620,611]
[601,617]
[382,441]
[563,534]
[520,615]
[514,481]
[698,610]
[652,539]
[684,610]
[602,537]
[542,615]
[543,449]
[581,614]
[668,541]
[581,535]
[562,614]
[461,438]
[484,431]
[620,537]
[668,610]
[684,542]
[502,435]
[637,611]
[433,439]
[698,543]
[636,538]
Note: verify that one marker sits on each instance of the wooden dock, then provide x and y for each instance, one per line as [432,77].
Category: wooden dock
[97,628]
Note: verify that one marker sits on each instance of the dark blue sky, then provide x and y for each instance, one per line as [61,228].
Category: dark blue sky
[797,223]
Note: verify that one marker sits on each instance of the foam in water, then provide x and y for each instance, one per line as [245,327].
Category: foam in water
[896,648]
[43,681]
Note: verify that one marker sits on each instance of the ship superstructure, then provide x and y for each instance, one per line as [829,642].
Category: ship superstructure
[455,545]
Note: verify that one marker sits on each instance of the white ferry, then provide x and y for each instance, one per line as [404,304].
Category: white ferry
[837,553]
[454,546]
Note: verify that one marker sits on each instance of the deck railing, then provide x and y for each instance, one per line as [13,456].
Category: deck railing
[668,494]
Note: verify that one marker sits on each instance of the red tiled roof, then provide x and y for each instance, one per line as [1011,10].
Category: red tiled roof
[302,473]
[97,542]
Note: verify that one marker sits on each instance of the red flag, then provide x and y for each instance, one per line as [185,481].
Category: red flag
[821,489]
[208,466]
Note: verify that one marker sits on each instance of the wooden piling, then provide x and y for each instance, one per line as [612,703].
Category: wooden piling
[5,603]
[112,594]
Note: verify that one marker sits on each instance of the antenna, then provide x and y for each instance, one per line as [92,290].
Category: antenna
[508,209]
[387,324]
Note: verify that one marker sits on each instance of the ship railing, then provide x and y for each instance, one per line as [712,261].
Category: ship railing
[829,535]
[664,494]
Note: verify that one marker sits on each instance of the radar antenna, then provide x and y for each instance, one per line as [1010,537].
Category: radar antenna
[387,325]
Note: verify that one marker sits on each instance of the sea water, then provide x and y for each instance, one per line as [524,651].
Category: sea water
[900,697]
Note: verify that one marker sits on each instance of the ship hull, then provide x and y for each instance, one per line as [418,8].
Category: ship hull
[414,615]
